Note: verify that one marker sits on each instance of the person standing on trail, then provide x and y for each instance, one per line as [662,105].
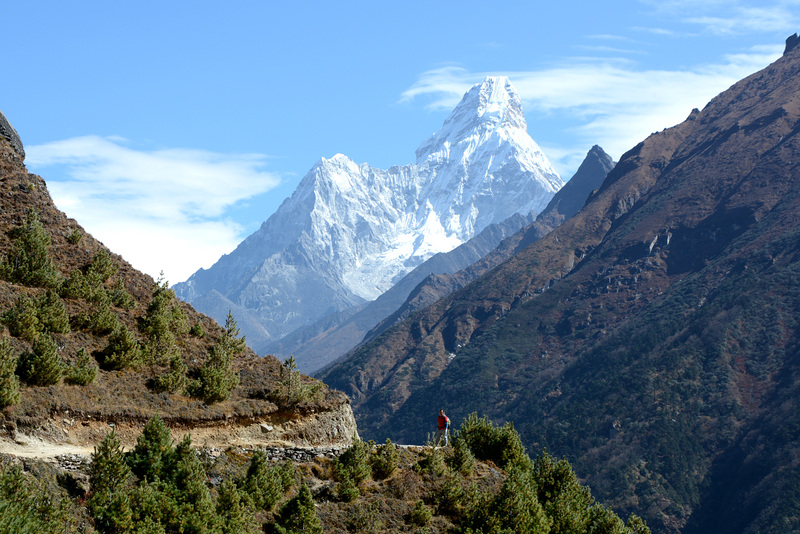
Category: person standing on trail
[444,427]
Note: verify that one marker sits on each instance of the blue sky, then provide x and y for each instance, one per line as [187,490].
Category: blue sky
[172,130]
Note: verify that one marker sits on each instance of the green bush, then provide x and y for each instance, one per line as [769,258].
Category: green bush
[22,319]
[298,515]
[197,330]
[431,461]
[120,297]
[516,507]
[83,372]
[236,516]
[42,365]
[291,389]
[150,456]
[501,445]
[101,268]
[266,485]
[102,319]
[421,515]
[459,458]
[163,323]
[77,287]
[52,313]
[75,237]
[26,507]
[174,380]
[123,351]
[9,383]
[109,476]
[353,463]
[383,460]
[28,318]
[217,379]
[28,262]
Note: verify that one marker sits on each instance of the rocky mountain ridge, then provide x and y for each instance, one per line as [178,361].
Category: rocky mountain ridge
[321,344]
[651,337]
[349,231]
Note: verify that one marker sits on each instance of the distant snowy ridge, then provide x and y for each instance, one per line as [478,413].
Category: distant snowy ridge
[350,231]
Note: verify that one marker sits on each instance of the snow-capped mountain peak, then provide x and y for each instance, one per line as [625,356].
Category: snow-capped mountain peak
[487,106]
[350,231]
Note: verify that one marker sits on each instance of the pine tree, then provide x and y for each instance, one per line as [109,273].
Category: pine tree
[9,383]
[83,372]
[236,516]
[163,323]
[298,515]
[52,313]
[187,479]
[109,475]
[174,380]
[28,262]
[123,350]
[217,379]
[265,485]
[42,366]
[149,457]
[22,319]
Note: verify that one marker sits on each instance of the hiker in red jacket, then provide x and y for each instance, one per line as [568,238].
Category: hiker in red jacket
[444,427]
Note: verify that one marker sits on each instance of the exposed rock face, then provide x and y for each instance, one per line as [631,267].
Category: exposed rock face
[10,134]
[791,42]
[350,232]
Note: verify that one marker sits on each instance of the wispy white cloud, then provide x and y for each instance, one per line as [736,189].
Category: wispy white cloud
[161,209]
[612,103]
[730,17]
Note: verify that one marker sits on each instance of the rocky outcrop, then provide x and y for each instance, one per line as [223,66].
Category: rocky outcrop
[10,134]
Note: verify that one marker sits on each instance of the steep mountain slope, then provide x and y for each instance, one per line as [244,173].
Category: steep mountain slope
[326,340]
[349,231]
[322,343]
[652,338]
[91,307]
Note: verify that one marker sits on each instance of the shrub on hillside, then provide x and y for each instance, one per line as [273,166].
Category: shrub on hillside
[9,383]
[217,378]
[460,458]
[41,366]
[420,515]
[109,477]
[83,372]
[383,460]
[501,445]
[291,389]
[22,319]
[174,380]
[265,484]
[26,507]
[163,323]
[351,468]
[29,317]
[123,351]
[298,515]
[149,458]
[29,262]
[101,319]
[234,513]
[52,313]
[120,297]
